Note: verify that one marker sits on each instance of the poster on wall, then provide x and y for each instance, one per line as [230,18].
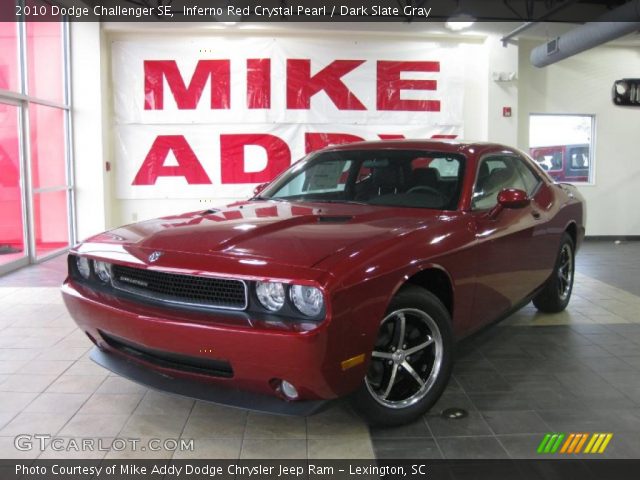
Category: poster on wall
[212,117]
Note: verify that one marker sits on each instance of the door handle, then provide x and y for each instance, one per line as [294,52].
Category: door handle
[536,215]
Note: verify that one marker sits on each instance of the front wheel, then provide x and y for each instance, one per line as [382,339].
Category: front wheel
[556,292]
[411,361]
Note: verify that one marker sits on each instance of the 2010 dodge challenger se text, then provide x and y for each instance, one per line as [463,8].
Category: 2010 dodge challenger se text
[351,274]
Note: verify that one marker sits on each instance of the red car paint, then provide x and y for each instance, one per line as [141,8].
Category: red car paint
[492,264]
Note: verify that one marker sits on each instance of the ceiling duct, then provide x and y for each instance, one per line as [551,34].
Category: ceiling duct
[615,24]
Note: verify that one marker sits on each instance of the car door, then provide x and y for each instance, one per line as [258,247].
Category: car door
[505,244]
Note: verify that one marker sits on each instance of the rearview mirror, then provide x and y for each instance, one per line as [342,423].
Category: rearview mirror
[259,189]
[511,198]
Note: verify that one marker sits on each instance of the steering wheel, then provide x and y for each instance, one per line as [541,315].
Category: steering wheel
[424,188]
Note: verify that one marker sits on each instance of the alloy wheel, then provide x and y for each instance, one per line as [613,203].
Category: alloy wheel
[406,360]
[565,272]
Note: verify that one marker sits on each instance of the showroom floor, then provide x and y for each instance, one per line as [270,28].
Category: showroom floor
[578,371]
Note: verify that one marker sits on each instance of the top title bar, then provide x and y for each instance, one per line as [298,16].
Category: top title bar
[233,11]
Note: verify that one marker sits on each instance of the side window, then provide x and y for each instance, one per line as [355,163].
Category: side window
[494,175]
[529,178]
[579,157]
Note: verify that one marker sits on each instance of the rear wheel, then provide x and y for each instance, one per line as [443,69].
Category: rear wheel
[411,361]
[556,293]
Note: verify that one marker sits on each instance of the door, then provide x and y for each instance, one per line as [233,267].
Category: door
[506,243]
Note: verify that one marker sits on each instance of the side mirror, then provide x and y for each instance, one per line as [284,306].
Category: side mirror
[259,188]
[511,198]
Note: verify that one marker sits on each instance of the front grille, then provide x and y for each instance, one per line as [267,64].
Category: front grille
[174,361]
[182,290]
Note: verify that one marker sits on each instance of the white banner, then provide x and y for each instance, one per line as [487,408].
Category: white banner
[211,117]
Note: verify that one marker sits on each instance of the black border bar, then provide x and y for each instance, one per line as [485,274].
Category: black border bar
[264,11]
[322,469]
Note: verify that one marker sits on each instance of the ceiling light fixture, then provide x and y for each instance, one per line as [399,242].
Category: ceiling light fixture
[459,22]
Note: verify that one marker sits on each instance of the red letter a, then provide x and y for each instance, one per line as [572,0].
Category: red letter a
[188,165]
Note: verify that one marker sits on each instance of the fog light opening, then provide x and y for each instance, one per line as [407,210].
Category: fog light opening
[288,390]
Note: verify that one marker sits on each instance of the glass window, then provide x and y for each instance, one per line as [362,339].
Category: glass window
[579,158]
[529,178]
[445,167]
[324,177]
[403,178]
[9,56]
[33,139]
[51,221]
[563,145]
[11,226]
[48,163]
[494,175]
[45,61]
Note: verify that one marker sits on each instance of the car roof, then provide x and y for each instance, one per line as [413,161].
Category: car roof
[448,146]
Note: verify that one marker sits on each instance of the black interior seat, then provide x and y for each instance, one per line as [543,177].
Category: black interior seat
[386,180]
[425,177]
[483,174]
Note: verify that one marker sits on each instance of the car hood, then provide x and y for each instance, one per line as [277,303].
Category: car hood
[296,234]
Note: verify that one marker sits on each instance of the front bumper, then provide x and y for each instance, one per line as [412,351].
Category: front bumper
[202,391]
[258,354]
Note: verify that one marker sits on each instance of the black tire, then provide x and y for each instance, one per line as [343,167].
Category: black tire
[422,312]
[556,293]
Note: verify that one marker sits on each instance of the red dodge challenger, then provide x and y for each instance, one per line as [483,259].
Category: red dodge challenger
[351,274]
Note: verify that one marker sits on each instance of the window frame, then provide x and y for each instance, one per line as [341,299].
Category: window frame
[23,100]
[591,172]
[502,154]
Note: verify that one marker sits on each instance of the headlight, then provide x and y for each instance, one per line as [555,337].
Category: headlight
[82,264]
[307,299]
[271,295]
[103,271]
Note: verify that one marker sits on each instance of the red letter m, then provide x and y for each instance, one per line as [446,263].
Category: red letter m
[186,97]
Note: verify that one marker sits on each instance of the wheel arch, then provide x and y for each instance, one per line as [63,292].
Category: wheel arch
[572,230]
[435,280]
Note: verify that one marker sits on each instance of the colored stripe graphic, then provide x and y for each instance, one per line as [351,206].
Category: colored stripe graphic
[568,442]
[556,445]
[574,443]
[606,441]
[543,443]
[598,443]
[582,441]
[550,443]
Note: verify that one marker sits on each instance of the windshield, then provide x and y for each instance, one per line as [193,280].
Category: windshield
[402,178]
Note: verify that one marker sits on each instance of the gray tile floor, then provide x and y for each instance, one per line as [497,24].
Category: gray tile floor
[578,371]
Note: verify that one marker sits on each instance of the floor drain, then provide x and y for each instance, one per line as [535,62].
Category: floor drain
[454,413]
